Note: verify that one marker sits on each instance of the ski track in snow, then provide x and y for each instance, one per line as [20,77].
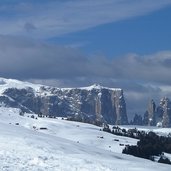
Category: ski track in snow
[64,146]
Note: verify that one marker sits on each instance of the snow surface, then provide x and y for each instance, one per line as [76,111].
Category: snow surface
[97,86]
[12,83]
[43,90]
[90,88]
[63,146]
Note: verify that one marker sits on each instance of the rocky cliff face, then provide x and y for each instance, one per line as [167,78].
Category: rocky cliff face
[137,120]
[90,104]
[149,116]
[163,113]
[157,116]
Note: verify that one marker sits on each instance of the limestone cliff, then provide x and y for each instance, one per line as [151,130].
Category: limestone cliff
[158,116]
[149,116]
[164,112]
[87,104]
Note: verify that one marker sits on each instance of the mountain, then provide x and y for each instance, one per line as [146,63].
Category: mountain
[94,104]
[150,114]
[163,112]
[156,115]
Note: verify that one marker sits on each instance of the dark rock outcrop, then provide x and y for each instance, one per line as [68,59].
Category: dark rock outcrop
[149,116]
[163,114]
[92,104]
[156,116]
[137,120]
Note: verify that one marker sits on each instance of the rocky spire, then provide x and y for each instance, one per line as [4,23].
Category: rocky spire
[149,116]
[165,106]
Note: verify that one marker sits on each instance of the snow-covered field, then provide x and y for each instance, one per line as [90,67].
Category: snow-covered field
[63,146]
[157,130]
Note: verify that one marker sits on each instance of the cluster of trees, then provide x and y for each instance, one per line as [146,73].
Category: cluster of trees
[40,115]
[132,133]
[86,119]
[149,145]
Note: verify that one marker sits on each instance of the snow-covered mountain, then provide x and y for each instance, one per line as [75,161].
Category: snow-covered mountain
[94,104]
[58,145]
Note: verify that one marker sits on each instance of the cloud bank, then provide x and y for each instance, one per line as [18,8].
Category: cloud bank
[44,19]
[142,77]
[28,59]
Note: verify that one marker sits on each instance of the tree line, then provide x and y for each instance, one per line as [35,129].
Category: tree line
[149,145]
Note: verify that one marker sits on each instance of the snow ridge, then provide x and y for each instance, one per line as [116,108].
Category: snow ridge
[13,83]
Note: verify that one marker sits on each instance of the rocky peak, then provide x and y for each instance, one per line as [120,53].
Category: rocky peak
[165,109]
[95,86]
[164,102]
[149,116]
[88,104]
[160,116]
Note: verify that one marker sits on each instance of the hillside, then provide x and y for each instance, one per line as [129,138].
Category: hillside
[63,145]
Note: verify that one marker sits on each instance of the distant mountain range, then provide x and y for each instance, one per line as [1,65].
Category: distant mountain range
[94,104]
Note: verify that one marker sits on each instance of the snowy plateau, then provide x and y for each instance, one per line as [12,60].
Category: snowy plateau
[30,144]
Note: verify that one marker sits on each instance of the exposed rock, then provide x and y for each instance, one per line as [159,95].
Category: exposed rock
[164,112]
[137,120]
[149,116]
[94,104]
[160,117]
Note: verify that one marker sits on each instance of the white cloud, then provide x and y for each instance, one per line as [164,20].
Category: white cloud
[54,18]
[40,61]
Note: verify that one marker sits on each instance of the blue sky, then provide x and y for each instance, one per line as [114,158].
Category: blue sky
[70,43]
[145,34]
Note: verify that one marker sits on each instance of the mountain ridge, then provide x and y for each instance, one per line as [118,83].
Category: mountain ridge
[94,104]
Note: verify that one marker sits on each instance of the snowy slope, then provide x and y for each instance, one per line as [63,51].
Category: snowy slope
[64,146]
[12,83]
